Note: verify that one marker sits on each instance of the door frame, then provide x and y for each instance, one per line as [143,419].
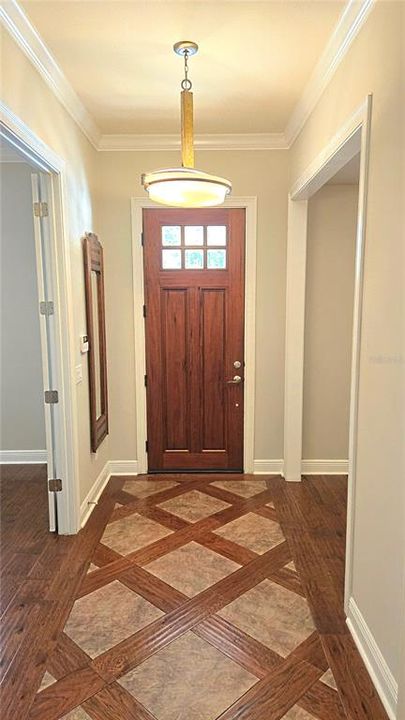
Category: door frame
[249,204]
[44,160]
[353,137]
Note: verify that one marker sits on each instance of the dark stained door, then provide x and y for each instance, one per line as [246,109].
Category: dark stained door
[194,290]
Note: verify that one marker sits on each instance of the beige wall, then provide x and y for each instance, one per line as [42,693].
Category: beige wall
[331,241]
[373,65]
[22,423]
[29,98]
[264,174]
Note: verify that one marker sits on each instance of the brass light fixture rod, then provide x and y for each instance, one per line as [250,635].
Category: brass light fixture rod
[186,49]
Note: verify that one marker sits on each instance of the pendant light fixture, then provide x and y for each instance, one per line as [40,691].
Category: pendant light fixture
[185,186]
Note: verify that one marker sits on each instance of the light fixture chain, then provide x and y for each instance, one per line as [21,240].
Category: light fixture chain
[186,84]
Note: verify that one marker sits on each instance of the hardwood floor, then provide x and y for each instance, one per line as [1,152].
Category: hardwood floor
[206,597]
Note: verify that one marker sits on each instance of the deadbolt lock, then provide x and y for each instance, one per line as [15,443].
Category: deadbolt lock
[237,364]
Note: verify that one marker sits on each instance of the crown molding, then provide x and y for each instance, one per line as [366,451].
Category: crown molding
[226,141]
[349,25]
[28,39]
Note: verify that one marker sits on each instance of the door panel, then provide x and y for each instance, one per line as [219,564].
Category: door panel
[213,368]
[194,292]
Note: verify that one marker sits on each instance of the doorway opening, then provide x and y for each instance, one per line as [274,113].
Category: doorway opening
[352,141]
[246,387]
[36,380]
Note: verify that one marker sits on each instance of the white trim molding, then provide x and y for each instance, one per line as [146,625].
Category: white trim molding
[92,497]
[23,457]
[28,39]
[250,205]
[111,468]
[325,467]
[220,141]
[348,27]
[377,668]
[123,467]
[268,467]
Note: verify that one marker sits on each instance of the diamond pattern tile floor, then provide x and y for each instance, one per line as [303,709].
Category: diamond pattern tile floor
[198,681]
[108,615]
[193,622]
[132,533]
[193,506]
[244,488]
[192,568]
[254,532]
[274,616]
[145,488]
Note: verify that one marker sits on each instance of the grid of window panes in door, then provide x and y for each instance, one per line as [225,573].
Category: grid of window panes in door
[194,247]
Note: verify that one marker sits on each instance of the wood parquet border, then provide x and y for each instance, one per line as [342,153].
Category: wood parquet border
[283,682]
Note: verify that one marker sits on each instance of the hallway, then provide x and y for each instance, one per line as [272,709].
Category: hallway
[207,597]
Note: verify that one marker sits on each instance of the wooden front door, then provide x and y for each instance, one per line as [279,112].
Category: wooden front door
[194,294]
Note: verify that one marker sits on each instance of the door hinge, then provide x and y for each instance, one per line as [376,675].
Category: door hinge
[145,379]
[46,307]
[41,209]
[51,397]
[55,485]
[147,445]
[144,311]
[142,239]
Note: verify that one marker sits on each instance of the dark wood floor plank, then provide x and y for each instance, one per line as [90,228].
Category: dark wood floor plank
[115,703]
[65,694]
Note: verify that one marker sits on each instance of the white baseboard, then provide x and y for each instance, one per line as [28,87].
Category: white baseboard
[309,467]
[268,467]
[325,467]
[382,677]
[23,457]
[123,467]
[112,467]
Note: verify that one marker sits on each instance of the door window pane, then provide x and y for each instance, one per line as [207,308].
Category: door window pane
[216,259]
[194,259]
[193,235]
[171,259]
[216,235]
[171,235]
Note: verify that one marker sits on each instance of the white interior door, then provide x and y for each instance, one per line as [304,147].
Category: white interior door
[46,309]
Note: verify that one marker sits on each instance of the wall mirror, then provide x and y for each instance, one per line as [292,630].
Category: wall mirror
[94,290]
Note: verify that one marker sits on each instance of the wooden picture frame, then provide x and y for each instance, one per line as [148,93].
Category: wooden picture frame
[97,356]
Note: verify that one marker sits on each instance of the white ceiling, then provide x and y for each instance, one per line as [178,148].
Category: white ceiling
[254,62]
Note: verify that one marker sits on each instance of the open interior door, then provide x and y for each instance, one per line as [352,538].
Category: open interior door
[46,309]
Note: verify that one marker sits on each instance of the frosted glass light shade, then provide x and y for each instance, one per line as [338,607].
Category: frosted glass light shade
[186,187]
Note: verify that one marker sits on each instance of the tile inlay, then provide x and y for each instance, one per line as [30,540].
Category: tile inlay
[188,680]
[254,532]
[77,714]
[297,713]
[47,680]
[245,488]
[145,488]
[329,679]
[103,618]
[192,568]
[194,505]
[132,533]
[203,620]
[273,615]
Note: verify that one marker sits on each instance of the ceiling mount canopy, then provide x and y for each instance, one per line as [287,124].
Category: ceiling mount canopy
[186,186]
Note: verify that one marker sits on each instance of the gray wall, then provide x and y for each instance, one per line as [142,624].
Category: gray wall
[22,415]
[332,223]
